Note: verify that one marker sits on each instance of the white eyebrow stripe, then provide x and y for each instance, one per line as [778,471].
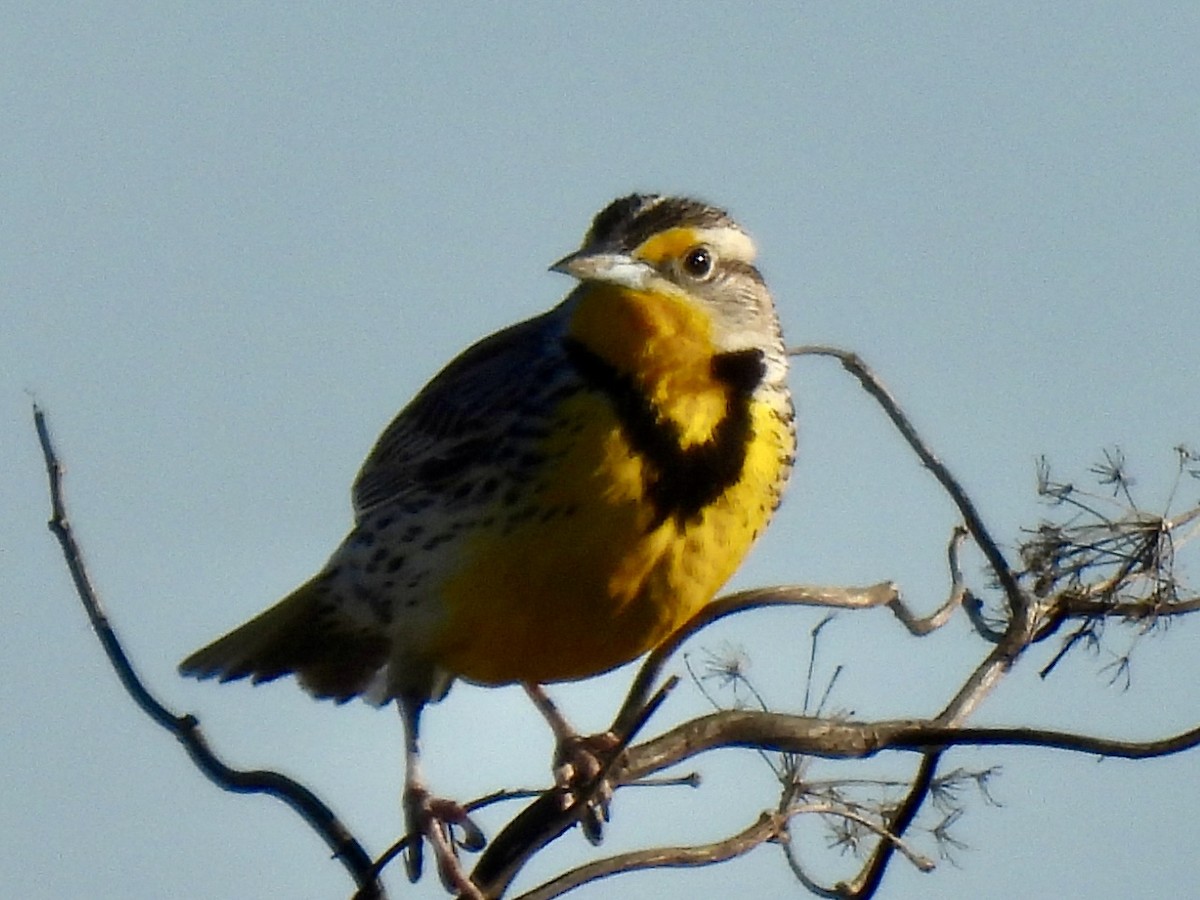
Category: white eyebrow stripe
[730,243]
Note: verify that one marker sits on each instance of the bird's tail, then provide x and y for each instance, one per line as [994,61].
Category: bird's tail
[302,635]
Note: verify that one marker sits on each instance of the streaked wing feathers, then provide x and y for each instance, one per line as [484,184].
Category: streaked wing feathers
[463,413]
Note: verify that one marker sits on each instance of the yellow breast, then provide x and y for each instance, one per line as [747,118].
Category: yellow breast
[603,561]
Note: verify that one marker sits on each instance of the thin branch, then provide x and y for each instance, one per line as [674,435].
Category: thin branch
[974,609]
[813,736]
[871,876]
[186,728]
[883,832]
[1076,606]
[814,639]
[768,826]
[920,626]
[548,817]
[792,858]
[855,365]
[541,823]
[881,594]
[982,680]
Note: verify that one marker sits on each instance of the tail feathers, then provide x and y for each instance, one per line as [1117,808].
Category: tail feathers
[304,634]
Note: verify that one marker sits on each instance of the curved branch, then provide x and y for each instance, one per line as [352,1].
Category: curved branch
[882,594]
[864,886]
[541,823]
[919,626]
[768,826]
[855,365]
[186,728]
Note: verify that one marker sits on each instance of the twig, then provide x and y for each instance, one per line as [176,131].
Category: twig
[871,876]
[1078,606]
[855,365]
[919,860]
[919,626]
[186,728]
[770,826]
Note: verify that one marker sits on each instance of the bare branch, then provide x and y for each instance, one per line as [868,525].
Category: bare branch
[795,595]
[771,826]
[869,879]
[919,860]
[1100,566]
[541,823]
[921,626]
[981,681]
[854,364]
[891,839]
[186,728]
[768,827]
[544,820]
[813,736]
[1132,610]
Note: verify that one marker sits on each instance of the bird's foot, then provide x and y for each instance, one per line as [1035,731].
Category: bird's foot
[581,766]
[435,819]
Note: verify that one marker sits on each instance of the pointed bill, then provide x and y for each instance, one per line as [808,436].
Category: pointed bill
[614,268]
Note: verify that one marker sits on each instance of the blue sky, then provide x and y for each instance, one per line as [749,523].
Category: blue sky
[234,240]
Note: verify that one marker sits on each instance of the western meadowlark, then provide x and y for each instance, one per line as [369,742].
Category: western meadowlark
[561,497]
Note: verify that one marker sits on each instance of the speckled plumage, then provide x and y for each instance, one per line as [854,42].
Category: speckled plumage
[648,415]
[560,498]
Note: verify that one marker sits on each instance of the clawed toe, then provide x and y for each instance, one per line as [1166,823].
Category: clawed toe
[581,765]
[435,819]
[579,771]
[450,813]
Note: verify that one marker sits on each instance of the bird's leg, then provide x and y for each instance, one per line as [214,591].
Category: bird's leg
[431,818]
[579,764]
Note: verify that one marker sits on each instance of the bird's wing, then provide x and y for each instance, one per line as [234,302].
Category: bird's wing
[469,409]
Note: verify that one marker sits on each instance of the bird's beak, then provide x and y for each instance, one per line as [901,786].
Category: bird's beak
[614,268]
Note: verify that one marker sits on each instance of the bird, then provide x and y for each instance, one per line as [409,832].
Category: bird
[558,500]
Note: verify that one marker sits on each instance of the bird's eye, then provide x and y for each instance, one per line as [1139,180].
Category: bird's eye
[698,262]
